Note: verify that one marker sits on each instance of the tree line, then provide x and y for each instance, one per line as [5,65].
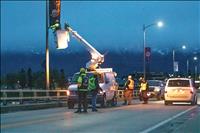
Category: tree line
[27,79]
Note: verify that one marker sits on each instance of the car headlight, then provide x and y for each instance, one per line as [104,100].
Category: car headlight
[101,92]
[67,92]
[156,89]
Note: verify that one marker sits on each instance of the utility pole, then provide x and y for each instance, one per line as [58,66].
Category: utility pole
[47,48]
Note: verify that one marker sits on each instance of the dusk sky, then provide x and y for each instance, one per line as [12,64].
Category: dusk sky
[106,25]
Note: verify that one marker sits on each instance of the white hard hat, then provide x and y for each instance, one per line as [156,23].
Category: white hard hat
[129,77]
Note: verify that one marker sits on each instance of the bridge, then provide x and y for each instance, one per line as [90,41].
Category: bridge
[154,117]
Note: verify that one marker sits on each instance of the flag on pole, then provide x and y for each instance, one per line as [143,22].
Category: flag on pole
[54,14]
[175,66]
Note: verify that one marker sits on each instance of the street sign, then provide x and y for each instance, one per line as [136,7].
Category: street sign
[147,53]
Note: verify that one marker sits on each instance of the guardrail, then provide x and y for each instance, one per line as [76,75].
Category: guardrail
[32,95]
[21,96]
[120,94]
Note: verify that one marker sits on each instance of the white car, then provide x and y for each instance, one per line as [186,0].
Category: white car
[180,90]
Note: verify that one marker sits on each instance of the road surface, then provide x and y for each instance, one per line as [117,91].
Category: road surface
[153,117]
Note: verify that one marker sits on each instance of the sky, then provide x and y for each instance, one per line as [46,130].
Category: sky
[113,25]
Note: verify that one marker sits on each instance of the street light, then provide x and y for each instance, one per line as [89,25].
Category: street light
[145,27]
[183,47]
[195,58]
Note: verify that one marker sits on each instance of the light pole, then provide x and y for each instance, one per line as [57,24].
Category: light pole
[174,60]
[195,68]
[145,27]
[47,48]
[187,67]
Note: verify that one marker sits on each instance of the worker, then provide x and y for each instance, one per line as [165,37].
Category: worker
[93,86]
[139,86]
[143,90]
[128,92]
[82,91]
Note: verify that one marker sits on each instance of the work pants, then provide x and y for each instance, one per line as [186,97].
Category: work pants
[128,96]
[144,96]
[94,100]
[82,100]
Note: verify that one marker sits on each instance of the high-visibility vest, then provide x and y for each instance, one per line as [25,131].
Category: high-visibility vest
[91,84]
[80,81]
[131,84]
[143,86]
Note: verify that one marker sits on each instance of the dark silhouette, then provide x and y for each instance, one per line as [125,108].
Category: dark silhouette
[29,78]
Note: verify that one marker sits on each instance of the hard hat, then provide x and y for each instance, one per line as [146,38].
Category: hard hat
[82,70]
[129,77]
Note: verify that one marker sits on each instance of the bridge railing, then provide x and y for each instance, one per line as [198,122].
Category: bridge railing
[21,96]
[32,95]
[120,94]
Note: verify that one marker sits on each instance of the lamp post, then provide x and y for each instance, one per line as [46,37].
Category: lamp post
[195,68]
[145,27]
[47,48]
[174,59]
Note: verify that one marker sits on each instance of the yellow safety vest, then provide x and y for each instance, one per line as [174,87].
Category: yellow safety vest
[143,86]
[131,84]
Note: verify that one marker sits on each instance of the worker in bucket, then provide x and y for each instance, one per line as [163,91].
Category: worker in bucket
[128,91]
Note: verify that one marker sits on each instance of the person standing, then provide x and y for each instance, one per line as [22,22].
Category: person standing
[94,87]
[128,92]
[144,90]
[82,91]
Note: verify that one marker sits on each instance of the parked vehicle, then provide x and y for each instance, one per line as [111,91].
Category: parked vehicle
[180,90]
[106,81]
[156,89]
[197,84]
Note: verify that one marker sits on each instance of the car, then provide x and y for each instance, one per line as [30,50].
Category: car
[197,84]
[180,90]
[108,84]
[156,89]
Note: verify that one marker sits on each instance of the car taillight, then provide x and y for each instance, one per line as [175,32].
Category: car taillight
[191,90]
[68,92]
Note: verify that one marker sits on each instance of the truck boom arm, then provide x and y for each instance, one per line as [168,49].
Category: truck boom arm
[96,58]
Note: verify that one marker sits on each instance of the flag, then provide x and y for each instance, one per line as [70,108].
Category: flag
[54,14]
[175,66]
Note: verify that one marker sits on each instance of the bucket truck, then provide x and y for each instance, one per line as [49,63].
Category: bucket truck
[107,79]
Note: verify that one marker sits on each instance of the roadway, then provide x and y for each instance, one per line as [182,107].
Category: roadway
[153,117]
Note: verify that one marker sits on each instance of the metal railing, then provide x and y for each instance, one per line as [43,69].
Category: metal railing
[32,95]
[21,95]
[120,94]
